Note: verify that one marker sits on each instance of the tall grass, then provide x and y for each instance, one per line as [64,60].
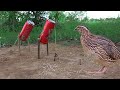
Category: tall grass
[110,30]
[7,37]
[65,31]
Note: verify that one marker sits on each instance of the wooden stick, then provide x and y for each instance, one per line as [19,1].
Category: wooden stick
[16,41]
[48,41]
[55,56]
[55,46]
[19,45]
[28,44]
[80,61]
[38,49]
[47,49]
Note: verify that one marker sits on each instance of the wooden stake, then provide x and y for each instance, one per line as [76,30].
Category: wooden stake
[80,61]
[19,43]
[28,45]
[16,41]
[38,49]
[55,47]
[55,56]
[47,49]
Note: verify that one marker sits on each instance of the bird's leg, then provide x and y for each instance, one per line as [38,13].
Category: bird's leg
[101,71]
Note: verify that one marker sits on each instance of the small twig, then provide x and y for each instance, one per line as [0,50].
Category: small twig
[55,56]
[28,44]
[55,44]
[80,61]
[19,43]
[47,49]
[38,48]
[16,41]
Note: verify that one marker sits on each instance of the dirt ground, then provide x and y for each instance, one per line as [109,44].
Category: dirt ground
[70,63]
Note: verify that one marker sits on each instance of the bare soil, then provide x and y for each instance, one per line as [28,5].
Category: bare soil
[70,63]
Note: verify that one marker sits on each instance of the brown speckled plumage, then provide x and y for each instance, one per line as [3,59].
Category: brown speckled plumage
[102,46]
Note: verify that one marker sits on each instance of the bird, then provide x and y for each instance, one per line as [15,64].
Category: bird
[102,48]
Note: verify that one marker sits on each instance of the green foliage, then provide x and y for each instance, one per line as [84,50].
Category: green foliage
[109,28]
[3,16]
[11,24]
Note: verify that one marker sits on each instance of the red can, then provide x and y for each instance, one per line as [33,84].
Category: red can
[25,32]
[49,25]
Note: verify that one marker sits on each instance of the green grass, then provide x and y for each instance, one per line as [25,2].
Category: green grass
[110,30]
[7,37]
[65,31]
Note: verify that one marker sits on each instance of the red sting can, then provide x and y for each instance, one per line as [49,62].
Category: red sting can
[25,32]
[49,25]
